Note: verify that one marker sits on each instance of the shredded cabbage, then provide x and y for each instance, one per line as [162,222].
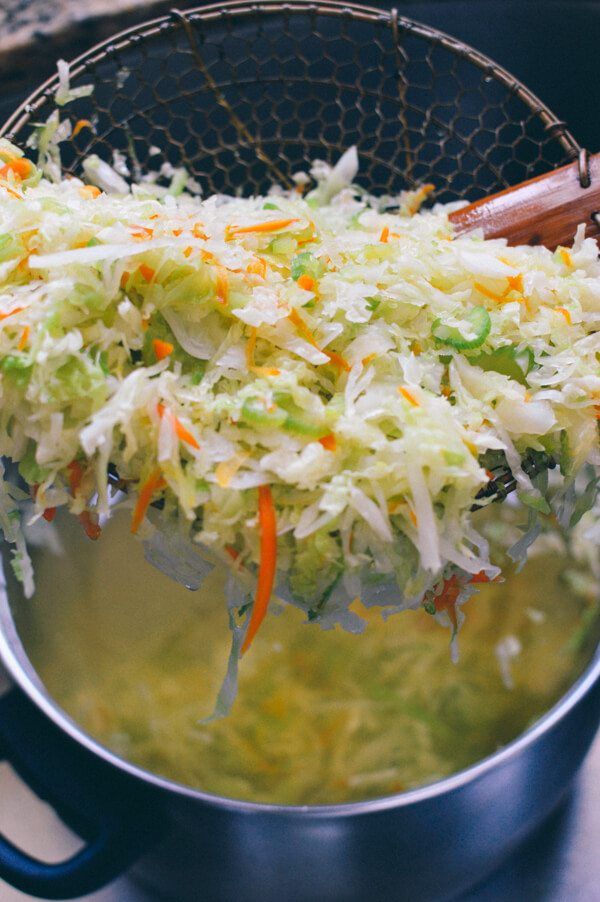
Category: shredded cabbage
[356,356]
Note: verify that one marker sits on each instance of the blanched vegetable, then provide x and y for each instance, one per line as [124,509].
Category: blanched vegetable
[300,382]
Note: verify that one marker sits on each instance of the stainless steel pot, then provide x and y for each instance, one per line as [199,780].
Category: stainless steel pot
[427,844]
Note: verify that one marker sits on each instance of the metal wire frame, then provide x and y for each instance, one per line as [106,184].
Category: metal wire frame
[248,93]
[419,104]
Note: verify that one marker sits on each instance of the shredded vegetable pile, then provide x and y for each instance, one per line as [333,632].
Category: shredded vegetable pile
[314,387]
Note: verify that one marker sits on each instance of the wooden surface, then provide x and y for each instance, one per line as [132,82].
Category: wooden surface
[545,210]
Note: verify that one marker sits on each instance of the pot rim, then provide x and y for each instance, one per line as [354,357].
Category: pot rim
[21,670]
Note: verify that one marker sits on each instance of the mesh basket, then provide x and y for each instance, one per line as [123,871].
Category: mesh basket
[247,94]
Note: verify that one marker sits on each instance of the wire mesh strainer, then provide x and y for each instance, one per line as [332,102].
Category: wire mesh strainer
[244,94]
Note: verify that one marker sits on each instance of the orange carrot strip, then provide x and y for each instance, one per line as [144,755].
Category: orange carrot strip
[76,472]
[222,286]
[515,283]
[328,442]
[301,326]
[146,272]
[565,256]
[480,577]
[408,395]
[12,193]
[338,360]
[385,234]
[273,226]
[11,312]
[154,482]
[306,282]
[124,280]
[19,167]
[49,514]
[368,359]
[565,313]
[197,231]
[488,294]
[142,233]
[80,125]
[24,338]
[268,562]
[162,349]
[181,432]
[258,267]
[90,191]
[90,526]
[446,600]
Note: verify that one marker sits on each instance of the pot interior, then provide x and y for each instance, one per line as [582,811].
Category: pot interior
[322,717]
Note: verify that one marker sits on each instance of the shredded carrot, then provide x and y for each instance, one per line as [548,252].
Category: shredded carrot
[222,286]
[273,226]
[76,473]
[154,216]
[328,442]
[154,482]
[188,252]
[416,348]
[181,432]
[597,410]
[515,283]
[162,349]
[268,561]
[446,391]
[12,193]
[385,234]
[141,233]
[480,577]
[90,525]
[565,256]
[258,267]
[198,232]
[177,232]
[124,280]
[146,272]
[11,312]
[489,474]
[49,514]
[20,167]
[446,600]
[80,125]
[488,294]
[419,197]
[306,282]
[413,517]
[226,469]
[565,313]
[311,234]
[24,338]
[89,191]
[408,395]
[336,359]
[367,360]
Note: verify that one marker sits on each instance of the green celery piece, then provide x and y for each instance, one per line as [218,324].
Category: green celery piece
[477,322]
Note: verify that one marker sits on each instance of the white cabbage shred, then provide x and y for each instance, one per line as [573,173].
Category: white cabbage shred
[367,364]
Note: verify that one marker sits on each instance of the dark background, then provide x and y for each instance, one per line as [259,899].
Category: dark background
[553,46]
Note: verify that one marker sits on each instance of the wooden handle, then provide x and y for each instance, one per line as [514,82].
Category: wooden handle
[545,210]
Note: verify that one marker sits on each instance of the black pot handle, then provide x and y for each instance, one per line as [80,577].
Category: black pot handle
[104,806]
